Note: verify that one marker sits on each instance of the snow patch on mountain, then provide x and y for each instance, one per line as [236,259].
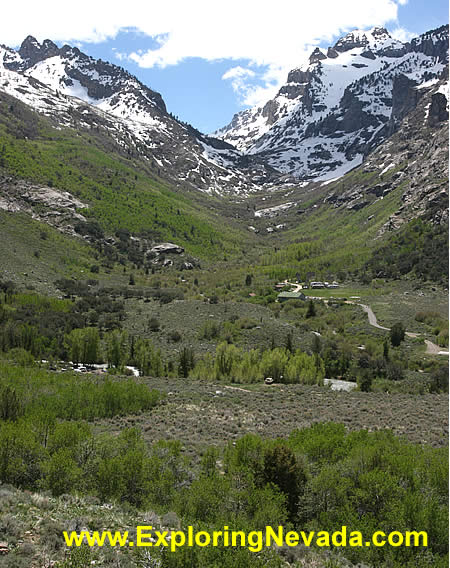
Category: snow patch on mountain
[77,91]
[335,108]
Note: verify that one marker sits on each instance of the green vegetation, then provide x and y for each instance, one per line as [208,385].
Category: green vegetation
[307,248]
[32,391]
[420,248]
[58,255]
[198,449]
[121,191]
[397,334]
[234,365]
[317,479]
[437,323]
[57,328]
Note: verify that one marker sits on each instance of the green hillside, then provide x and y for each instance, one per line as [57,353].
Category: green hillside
[122,192]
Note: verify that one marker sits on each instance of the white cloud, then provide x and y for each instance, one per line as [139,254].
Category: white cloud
[256,87]
[402,34]
[254,29]
[274,35]
[239,77]
[238,73]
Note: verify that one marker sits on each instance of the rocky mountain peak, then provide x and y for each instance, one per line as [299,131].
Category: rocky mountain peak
[316,55]
[29,43]
[31,51]
[356,38]
[375,38]
[380,32]
[73,73]
[335,108]
[433,43]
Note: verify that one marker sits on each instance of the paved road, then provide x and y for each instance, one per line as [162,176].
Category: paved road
[295,287]
[432,348]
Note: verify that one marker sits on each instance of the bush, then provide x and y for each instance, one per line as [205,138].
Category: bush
[209,330]
[21,356]
[153,324]
[439,379]
[175,336]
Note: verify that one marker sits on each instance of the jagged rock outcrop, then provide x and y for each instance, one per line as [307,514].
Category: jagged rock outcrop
[413,163]
[317,55]
[334,110]
[80,92]
[55,207]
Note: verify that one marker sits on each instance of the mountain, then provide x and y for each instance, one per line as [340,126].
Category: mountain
[63,83]
[341,104]
[414,160]
[91,151]
[324,121]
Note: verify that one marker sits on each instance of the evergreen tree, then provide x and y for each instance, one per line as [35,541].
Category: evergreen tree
[289,342]
[397,334]
[311,311]
[186,361]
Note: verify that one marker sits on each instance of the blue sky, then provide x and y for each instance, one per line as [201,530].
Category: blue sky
[209,60]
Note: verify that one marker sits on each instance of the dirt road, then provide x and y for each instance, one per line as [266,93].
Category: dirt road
[432,348]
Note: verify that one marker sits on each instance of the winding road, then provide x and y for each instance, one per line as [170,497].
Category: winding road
[372,317]
[432,348]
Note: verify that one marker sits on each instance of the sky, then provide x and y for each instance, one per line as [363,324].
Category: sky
[211,59]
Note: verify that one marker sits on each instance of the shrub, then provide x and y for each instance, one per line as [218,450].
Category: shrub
[153,324]
[209,330]
[175,336]
[439,379]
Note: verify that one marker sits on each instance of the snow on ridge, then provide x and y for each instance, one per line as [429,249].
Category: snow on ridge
[273,211]
[299,131]
[55,87]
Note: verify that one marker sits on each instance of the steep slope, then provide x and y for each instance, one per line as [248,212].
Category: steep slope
[414,159]
[386,218]
[337,107]
[59,82]
[83,182]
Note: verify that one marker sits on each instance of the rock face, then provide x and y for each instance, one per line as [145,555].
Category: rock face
[438,110]
[413,163]
[316,55]
[73,71]
[327,118]
[57,208]
[78,91]
[338,107]
[167,248]
[32,52]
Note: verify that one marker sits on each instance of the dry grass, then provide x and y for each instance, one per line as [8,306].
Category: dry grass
[205,413]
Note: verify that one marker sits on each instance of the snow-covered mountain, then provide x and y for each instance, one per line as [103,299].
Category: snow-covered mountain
[338,106]
[324,121]
[77,91]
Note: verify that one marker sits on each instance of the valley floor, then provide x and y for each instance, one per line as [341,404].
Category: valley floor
[199,413]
